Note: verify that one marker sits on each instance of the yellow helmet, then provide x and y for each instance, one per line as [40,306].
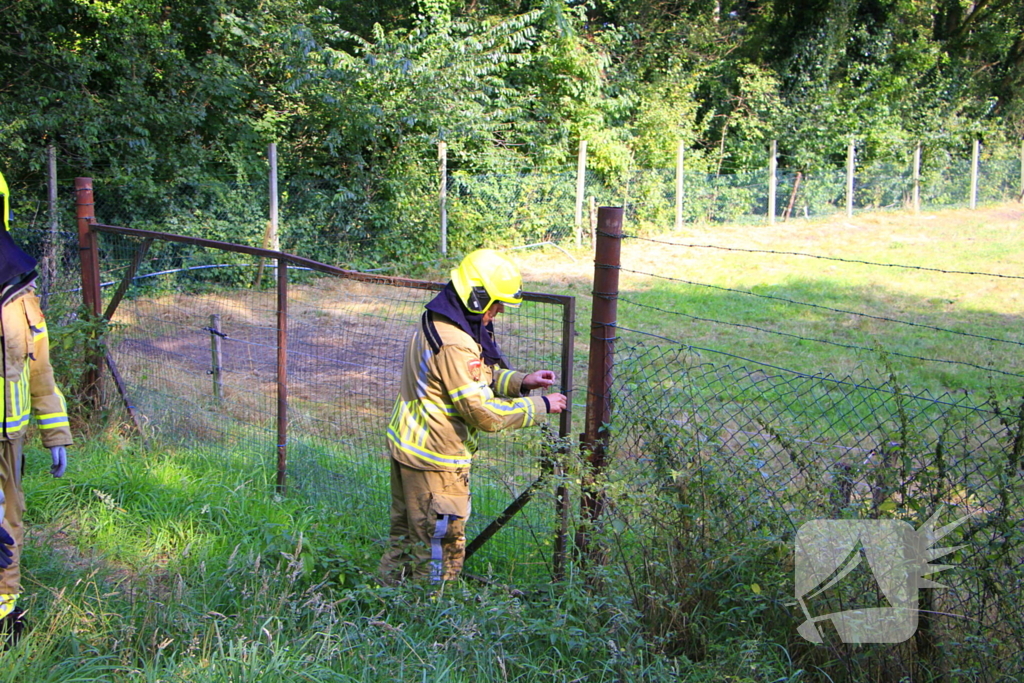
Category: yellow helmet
[7,201]
[485,276]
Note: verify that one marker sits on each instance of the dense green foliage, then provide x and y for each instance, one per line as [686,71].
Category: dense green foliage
[151,97]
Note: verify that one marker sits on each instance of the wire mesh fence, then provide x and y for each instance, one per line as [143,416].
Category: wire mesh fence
[195,336]
[716,461]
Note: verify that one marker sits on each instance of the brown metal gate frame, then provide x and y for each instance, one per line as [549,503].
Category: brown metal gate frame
[89,255]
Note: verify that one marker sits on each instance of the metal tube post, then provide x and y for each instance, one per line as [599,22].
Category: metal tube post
[87,249]
[564,428]
[282,375]
[604,317]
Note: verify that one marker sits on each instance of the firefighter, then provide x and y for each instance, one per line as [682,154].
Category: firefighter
[29,394]
[455,383]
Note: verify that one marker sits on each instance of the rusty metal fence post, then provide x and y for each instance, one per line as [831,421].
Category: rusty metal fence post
[604,316]
[88,253]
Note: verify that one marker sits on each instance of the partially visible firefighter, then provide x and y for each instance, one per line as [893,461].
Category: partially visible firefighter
[455,383]
[29,395]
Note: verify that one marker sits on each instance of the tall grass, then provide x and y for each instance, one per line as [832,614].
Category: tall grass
[183,565]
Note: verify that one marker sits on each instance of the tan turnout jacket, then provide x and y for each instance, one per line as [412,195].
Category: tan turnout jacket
[448,394]
[29,390]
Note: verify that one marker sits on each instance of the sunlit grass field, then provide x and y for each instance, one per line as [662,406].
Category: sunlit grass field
[738,297]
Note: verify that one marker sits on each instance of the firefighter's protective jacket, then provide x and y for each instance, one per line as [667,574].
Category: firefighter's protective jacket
[448,394]
[29,389]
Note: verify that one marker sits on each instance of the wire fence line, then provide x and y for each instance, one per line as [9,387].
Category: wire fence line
[717,460]
[829,309]
[820,257]
[829,342]
[338,223]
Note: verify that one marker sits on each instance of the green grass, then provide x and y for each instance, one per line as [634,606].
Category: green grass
[182,565]
[174,564]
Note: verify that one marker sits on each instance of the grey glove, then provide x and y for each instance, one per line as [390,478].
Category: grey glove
[60,461]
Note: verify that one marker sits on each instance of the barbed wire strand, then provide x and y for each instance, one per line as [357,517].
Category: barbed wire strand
[824,258]
[853,347]
[825,308]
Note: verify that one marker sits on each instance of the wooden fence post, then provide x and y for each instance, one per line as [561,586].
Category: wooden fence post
[215,351]
[915,200]
[680,150]
[851,156]
[773,180]
[442,194]
[51,255]
[581,190]
[975,159]
[275,238]
[1022,170]
[592,219]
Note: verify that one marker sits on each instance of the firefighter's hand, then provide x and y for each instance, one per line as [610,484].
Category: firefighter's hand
[556,402]
[6,554]
[541,379]
[60,461]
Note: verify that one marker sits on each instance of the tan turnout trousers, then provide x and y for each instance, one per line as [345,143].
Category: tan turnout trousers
[11,463]
[429,510]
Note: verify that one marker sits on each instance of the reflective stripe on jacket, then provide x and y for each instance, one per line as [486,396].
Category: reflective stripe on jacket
[448,394]
[29,389]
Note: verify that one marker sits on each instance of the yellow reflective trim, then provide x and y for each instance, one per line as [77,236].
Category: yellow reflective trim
[466,390]
[7,602]
[435,407]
